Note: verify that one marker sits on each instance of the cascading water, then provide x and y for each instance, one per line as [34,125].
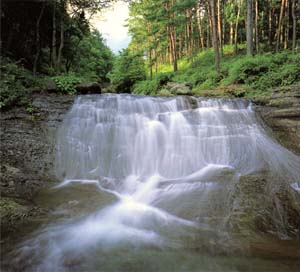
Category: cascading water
[167,164]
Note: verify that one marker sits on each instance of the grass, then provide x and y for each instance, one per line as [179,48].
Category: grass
[240,76]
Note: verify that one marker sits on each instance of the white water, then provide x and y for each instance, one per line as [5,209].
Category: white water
[165,161]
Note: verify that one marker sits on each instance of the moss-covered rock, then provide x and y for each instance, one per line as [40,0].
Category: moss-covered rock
[165,92]
[11,214]
[179,88]
[262,203]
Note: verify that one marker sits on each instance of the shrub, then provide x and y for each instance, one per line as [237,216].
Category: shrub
[152,87]
[15,80]
[67,83]
[264,71]
[146,87]
[285,75]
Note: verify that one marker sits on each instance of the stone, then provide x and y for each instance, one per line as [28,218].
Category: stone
[28,144]
[281,112]
[88,88]
[262,203]
[179,88]
[50,86]
[164,92]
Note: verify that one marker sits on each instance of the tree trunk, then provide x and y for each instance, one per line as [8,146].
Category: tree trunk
[231,33]
[210,25]
[62,34]
[287,25]
[220,26]
[215,34]
[54,63]
[256,27]
[237,25]
[270,26]
[249,27]
[278,32]
[208,39]
[37,40]
[150,64]
[61,45]
[173,50]
[199,20]
[294,26]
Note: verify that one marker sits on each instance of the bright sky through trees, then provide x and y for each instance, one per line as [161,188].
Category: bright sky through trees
[111,23]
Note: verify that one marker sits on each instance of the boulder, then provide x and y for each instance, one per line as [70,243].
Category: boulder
[179,88]
[50,86]
[262,203]
[88,88]
[164,92]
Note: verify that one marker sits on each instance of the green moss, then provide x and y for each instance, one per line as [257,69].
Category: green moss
[164,92]
[11,211]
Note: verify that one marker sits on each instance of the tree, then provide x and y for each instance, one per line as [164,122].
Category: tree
[278,31]
[128,69]
[37,40]
[215,34]
[294,25]
[236,25]
[249,27]
[92,59]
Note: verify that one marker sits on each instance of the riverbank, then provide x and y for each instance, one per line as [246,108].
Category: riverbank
[240,75]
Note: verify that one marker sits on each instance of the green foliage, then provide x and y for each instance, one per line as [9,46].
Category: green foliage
[146,87]
[247,70]
[240,75]
[15,80]
[93,60]
[67,83]
[265,71]
[212,80]
[152,87]
[128,69]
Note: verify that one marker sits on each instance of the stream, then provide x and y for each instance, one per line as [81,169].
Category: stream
[146,185]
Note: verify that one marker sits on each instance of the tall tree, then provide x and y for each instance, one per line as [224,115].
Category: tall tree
[237,25]
[249,27]
[256,27]
[215,34]
[278,31]
[294,25]
[220,32]
[37,40]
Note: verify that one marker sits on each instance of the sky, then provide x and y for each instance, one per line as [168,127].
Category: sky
[111,23]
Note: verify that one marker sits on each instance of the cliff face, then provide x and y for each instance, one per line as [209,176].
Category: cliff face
[281,113]
[28,144]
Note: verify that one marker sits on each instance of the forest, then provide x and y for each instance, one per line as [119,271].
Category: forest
[180,152]
[220,47]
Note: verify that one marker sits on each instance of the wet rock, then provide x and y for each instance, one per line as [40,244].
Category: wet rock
[281,112]
[15,212]
[109,89]
[88,88]
[28,144]
[262,203]
[50,86]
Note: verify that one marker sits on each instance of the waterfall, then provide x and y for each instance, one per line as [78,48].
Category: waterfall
[167,163]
